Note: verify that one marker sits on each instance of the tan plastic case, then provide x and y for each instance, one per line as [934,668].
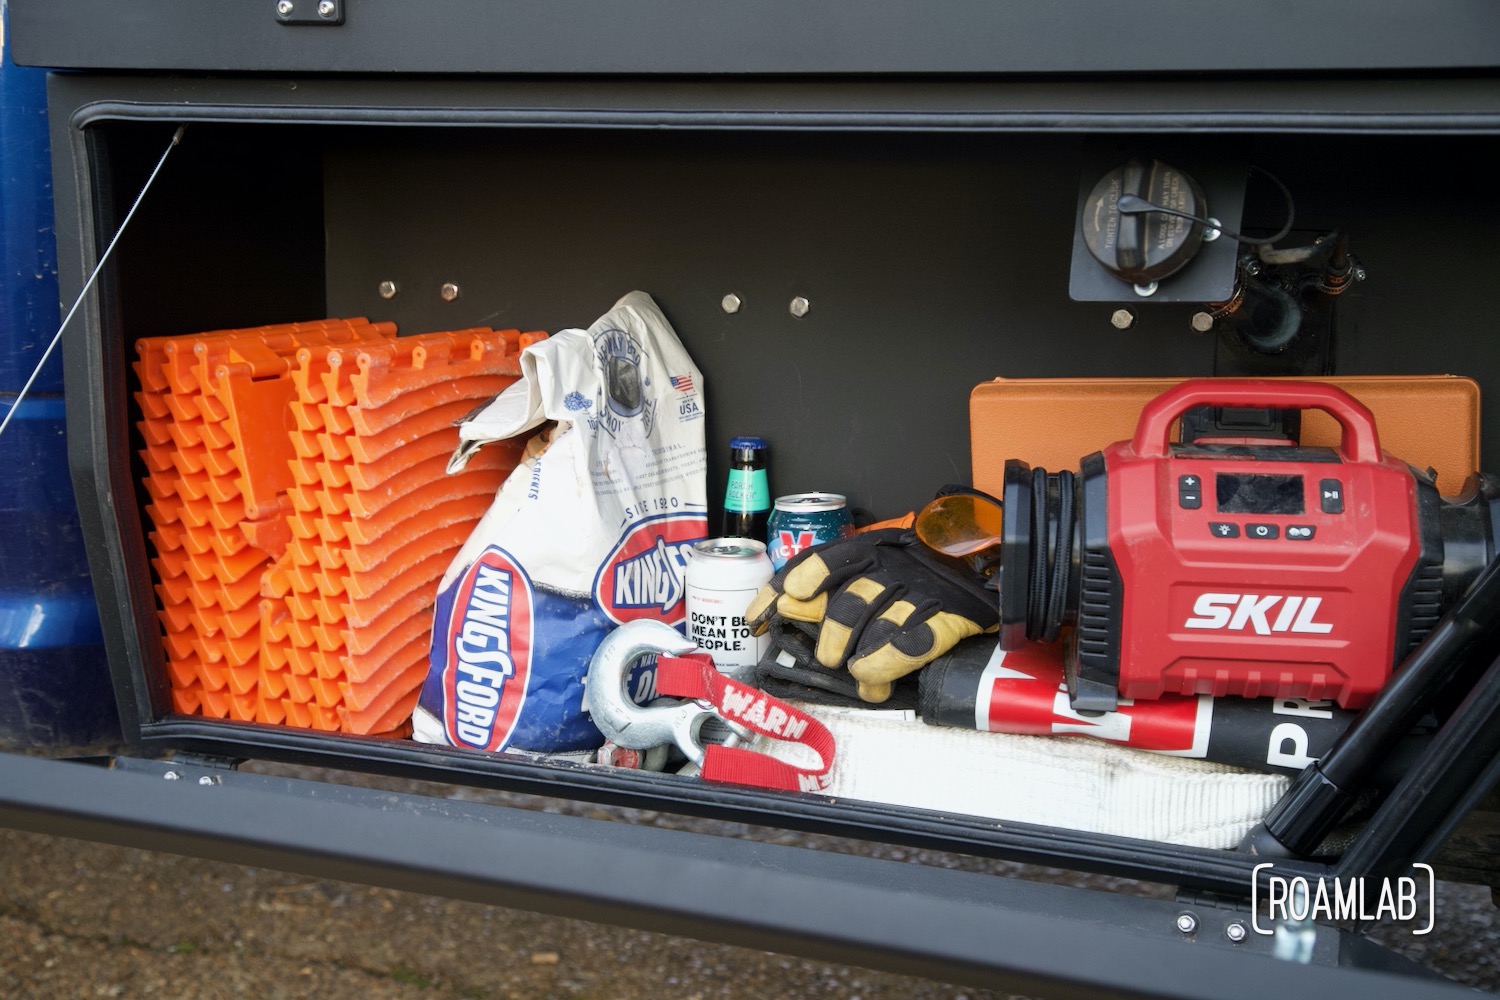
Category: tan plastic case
[1430,421]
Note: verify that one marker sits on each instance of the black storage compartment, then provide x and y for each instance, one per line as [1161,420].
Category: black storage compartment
[929,225]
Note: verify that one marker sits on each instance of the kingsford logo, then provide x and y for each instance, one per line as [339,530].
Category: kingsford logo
[489,652]
[1237,612]
[644,577]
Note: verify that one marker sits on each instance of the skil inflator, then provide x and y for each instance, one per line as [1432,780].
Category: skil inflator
[1237,562]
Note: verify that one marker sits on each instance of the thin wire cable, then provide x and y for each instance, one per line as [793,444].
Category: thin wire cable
[176,138]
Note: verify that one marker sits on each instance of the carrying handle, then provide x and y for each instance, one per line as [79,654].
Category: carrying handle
[1360,442]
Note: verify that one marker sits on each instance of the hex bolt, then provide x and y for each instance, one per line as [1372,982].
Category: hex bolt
[1187,923]
[449,291]
[1202,322]
[1122,319]
[172,776]
[1235,932]
[731,303]
[800,306]
[388,289]
[284,8]
[326,8]
[1359,274]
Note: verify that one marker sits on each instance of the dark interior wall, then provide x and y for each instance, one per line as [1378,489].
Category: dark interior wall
[931,261]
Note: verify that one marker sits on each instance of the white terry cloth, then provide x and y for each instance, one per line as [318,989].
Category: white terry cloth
[1070,782]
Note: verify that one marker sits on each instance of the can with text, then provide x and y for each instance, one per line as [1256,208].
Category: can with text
[803,520]
[723,576]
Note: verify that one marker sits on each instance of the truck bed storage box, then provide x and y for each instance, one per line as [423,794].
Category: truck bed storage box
[926,229]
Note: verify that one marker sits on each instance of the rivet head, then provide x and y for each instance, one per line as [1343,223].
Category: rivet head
[731,303]
[1123,319]
[284,8]
[387,289]
[1187,923]
[449,291]
[800,307]
[326,8]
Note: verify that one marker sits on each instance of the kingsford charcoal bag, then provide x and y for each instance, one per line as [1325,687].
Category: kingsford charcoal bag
[593,529]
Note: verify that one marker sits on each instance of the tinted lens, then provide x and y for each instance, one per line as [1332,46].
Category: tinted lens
[960,525]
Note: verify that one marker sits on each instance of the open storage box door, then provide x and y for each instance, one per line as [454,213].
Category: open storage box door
[925,226]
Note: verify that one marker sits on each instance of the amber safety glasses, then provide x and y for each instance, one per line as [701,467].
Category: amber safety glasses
[964,523]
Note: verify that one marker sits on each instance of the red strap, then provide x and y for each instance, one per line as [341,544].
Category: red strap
[695,676]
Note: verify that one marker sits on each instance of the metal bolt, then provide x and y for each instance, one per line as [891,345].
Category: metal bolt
[800,306]
[1252,267]
[284,8]
[1146,291]
[1235,932]
[1212,233]
[387,289]
[1187,923]
[449,291]
[1202,321]
[326,8]
[731,303]
[209,779]
[1122,319]
[172,776]
[1359,274]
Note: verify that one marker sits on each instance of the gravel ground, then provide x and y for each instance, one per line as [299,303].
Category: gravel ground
[90,920]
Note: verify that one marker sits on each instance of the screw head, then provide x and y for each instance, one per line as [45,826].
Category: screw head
[1122,319]
[1146,291]
[800,306]
[209,779]
[449,291]
[1202,322]
[1235,932]
[1359,274]
[1187,923]
[284,8]
[730,303]
[387,289]
[326,8]
[172,776]
[1212,232]
[1252,267]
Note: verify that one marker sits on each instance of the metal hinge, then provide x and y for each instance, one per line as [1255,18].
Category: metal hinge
[309,11]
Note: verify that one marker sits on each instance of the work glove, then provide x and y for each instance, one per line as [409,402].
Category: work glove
[882,605]
[788,670]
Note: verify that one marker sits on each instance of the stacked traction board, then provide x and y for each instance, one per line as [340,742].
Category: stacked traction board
[302,514]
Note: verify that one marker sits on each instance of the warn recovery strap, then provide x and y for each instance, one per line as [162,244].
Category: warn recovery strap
[694,675]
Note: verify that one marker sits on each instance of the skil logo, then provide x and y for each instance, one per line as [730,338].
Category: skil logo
[644,575]
[1237,612]
[489,652]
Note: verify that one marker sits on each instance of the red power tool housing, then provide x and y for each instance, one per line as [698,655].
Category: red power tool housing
[1235,566]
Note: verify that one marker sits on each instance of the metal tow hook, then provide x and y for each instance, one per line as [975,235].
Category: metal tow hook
[641,727]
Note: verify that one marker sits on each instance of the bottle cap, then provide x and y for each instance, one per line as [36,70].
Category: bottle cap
[748,442]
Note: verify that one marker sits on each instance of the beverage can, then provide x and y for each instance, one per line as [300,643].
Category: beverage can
[723,577]
[803,520]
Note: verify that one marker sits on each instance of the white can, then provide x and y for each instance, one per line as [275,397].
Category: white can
[723,577]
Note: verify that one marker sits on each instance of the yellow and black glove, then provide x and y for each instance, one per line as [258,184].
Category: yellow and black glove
[882,605]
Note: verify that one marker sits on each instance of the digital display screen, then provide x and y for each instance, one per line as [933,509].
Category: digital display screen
[1239,493]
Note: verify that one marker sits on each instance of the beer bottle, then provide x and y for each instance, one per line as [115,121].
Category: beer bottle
[747,500]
